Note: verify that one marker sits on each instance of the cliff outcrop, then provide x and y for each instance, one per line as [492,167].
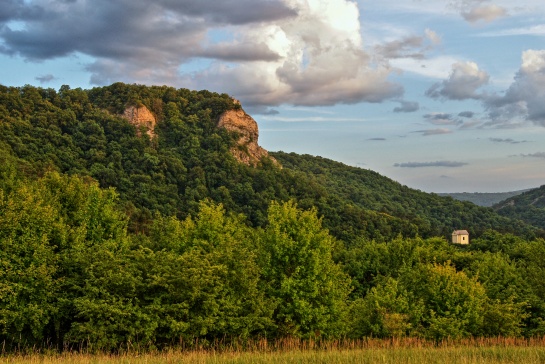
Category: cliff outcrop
[140,116]
[247,150]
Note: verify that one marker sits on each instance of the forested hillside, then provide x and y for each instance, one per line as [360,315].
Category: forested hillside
[365,196]
[81,132]
[113,236]
[528,207]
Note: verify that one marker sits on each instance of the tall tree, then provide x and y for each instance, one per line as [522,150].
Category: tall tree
[308,288]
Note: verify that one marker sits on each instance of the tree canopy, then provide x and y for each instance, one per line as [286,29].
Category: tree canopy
[110,237]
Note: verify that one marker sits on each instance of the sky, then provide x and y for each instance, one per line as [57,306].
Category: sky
[439,95]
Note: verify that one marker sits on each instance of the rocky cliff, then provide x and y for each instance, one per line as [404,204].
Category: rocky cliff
[140,116]
[247,150]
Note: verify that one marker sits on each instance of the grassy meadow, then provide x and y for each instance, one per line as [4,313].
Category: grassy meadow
[497,350]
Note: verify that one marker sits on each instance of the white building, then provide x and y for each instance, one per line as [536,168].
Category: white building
[460,237]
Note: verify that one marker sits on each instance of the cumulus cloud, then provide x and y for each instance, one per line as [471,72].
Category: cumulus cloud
[322,62]
[450,164]
[270,52]
[463,82]
[407,106]
[521,103]
[523,100]
[485,13]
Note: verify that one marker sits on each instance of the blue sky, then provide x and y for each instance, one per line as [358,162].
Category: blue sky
[440,95]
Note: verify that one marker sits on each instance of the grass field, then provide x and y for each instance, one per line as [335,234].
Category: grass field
[294,351]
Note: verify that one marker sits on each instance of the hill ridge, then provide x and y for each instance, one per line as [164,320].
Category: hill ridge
[487,199]
[75,131]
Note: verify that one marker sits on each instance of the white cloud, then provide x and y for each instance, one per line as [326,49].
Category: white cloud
[464,81]
[433,36]
[322,61]
[485,13]
[524,99]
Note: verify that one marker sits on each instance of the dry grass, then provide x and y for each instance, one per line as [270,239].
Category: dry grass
[496,350]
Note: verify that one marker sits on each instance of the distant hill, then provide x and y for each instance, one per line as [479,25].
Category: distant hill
[528,206]
[373,202]
[483,199]
[164,150]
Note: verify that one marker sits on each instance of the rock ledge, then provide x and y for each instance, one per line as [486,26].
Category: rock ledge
[247,150]
[140,116]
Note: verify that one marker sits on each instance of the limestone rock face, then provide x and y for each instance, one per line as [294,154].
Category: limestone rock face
[247,150]
[141,116]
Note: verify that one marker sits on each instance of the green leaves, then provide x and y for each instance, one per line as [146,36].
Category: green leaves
[433,289]
[28,232]
[453,301]
[48,228]
[189,282]
[308,288]
[386,311]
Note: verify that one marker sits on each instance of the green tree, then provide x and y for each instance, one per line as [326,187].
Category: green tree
[386,311]
[453,302]
[308,288]
[28,264]
[189,282]
[368,261]
[530,257]
[507,291]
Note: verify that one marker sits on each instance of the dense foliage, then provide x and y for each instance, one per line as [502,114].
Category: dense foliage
[108,237]
[72,273]
[80,132]
[528,207]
